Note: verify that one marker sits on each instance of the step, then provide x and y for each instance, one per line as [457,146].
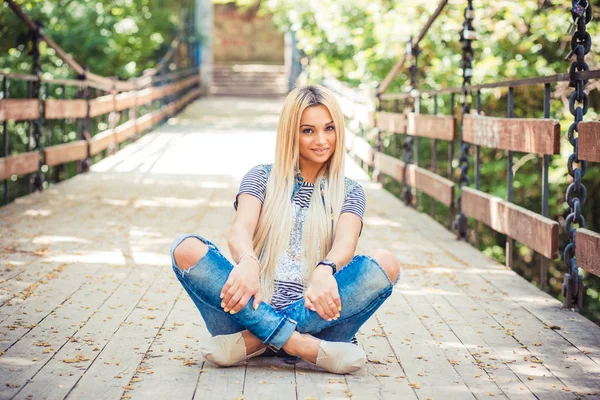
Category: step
[248,92]
[250,68]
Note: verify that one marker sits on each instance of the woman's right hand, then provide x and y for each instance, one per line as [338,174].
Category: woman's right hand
[243,283]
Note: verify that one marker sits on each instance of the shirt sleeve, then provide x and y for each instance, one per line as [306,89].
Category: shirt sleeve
[355,202]
[254,183]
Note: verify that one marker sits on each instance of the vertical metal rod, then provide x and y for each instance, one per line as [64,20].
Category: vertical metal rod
[450,161]
[36,92]
[5,137]
[509,177]
[48,130]
[396,109]
[451,144]
[545,192]
[417,147]
[64,96]
[28,94]
[434,149]
[477,170]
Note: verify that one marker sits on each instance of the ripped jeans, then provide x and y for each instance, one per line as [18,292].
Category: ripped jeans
[363,286]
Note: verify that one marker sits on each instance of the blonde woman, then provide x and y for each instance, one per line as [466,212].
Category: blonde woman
[297,289]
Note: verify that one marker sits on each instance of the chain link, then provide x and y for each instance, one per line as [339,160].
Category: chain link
[36,89]
[581,43]
[408,144]
[467,36]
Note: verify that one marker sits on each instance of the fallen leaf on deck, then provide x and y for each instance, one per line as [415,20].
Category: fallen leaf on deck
[78,358]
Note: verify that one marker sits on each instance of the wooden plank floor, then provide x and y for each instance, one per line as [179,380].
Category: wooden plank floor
[90,308]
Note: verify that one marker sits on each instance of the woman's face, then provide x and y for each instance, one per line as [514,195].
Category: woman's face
[317,135]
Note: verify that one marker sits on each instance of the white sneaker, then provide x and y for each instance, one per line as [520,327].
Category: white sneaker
[340,357]
[226,350]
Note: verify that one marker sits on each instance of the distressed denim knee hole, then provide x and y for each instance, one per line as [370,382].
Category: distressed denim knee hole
[176,245]
[383,270]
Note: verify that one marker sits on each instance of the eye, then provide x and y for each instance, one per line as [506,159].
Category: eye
[307,131]
[332,128]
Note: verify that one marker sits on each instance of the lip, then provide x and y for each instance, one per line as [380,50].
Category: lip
[320,150]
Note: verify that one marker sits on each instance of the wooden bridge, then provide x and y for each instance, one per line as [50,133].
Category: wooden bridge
[91,307]
[89,304]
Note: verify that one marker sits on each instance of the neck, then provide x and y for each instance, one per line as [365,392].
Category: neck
[310,170]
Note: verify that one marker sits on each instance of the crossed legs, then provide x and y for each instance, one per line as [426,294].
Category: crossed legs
[305,346]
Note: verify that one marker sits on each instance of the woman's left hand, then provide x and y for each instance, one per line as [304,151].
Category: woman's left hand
[322,294]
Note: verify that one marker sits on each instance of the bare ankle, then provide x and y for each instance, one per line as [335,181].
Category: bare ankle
[302,345]
[253,344]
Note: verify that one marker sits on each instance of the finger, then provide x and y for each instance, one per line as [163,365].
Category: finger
[320,311]
[257,300]
[309,304]
[322,303]
[333,308]
[329,308]
[337,302]
[234,299]
[228,294]
[226,287]
[242,303]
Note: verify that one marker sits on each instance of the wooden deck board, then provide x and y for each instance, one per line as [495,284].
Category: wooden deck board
[92,337]
[88,259]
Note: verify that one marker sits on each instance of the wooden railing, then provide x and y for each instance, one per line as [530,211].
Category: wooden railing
[381,119]
[105,111]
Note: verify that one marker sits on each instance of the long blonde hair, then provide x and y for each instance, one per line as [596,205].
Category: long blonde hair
[275,222]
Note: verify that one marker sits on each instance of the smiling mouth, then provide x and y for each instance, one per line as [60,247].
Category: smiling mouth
[320,150]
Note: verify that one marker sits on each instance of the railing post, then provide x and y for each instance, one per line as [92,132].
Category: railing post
[113,117]
[467,35]
[573,288]
[407,195]
[450,166]
[84,134]
[477,168]
[545,191]
[434,150]
[36,92]
[510,243]
[395,109]
[378,140]
[5,136]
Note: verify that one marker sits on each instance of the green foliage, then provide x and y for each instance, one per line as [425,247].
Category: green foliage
[359,41]
[118,38]
[114,38]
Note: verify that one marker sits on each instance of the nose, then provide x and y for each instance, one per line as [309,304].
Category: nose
[321,137]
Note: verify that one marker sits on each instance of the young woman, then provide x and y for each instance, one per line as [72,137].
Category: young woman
[296,288]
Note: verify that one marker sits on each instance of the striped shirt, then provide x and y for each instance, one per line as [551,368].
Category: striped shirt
[289,274]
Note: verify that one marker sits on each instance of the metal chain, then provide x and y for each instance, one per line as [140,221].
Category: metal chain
[467,36]
[84,123]
[36,89]
[581,43]
[408,144]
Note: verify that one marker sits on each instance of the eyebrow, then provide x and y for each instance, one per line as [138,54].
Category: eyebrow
[312,126]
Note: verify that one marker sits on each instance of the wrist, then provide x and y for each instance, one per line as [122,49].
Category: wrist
[324,268]
[251,257]
[329,264]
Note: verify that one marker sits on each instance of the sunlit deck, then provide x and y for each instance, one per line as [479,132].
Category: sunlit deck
[90,308]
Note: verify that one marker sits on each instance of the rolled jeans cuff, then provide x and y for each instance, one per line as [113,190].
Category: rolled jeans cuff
[281,334]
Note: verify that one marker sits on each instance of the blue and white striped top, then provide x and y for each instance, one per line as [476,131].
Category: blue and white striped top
[289,275]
